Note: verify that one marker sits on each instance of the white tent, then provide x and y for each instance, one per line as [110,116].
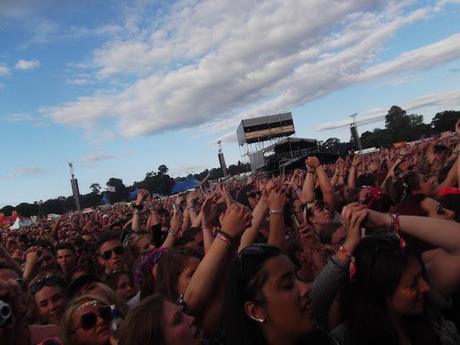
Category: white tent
[19,223]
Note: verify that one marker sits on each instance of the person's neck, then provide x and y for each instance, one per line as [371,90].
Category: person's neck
[397,321]
[276,338]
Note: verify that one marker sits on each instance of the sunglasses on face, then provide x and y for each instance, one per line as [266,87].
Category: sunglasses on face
[47,281]
[89,320]
[108,253]
[254,195]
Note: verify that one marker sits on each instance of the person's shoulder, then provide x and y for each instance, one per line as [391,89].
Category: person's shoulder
[338,334]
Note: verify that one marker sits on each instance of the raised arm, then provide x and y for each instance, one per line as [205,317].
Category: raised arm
[142,194]
[308,190]
[208,236]
[276,201]
[357,159]
[258,216]
[204,280]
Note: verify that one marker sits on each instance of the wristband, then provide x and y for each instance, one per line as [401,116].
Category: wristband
[275,211]
[228,237]
[221,237]
[345,251]
[172,233]
[310,171]
[395,226]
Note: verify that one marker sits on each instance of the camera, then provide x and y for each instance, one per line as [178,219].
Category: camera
[5,314]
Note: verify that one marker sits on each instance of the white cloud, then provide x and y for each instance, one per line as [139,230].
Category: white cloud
[27,64]
[99,156]
[215,62]
[4,70]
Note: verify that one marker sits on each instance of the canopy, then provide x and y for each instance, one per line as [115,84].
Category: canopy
[182,186]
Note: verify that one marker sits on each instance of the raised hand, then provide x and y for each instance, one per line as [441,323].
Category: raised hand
[235,220]
[340,164]
[206,212]
[277,198]
[225,194]
[353,216]
[142,195]
[357,160]
[312,163]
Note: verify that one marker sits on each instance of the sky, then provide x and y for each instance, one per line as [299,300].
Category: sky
[120,87]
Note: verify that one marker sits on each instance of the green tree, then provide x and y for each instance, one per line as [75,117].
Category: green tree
[163,169]
[445,121]
[95,188]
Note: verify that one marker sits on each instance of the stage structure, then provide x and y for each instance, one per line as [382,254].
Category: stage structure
[75,191]
[258,134]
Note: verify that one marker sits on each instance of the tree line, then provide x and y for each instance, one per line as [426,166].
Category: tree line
[156,182]
[399,126]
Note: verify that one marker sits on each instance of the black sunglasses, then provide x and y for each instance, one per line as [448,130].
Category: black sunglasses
[254,195]
[89,320]
[108,253]
[47,281]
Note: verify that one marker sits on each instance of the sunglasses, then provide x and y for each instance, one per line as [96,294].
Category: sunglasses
[108,254]
[47,281]
[254,195]
[89,320]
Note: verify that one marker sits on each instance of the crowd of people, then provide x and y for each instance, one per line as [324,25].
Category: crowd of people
[363,251]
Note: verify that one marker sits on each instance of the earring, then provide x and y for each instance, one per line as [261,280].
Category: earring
[257,319]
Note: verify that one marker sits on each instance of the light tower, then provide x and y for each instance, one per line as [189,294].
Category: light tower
[354,131]
[74,183]
[220,155]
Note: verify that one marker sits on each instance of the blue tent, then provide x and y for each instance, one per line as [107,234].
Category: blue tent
[182,186]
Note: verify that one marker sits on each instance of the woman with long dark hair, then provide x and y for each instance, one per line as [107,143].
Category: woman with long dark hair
[386,298]
[265,303]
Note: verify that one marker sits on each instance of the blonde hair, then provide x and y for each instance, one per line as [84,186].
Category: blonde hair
[134,241]
[73,306]
[111,297]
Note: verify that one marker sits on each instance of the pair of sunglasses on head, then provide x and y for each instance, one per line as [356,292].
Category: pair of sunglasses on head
[50,280]
[108,253]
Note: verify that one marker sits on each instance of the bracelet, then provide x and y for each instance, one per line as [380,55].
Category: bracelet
[220,233]
[345,251]
[172,233]
[310,171]
[395,225]
[221,237]
[275,211]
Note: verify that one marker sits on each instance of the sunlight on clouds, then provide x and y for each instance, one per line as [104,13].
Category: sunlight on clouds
[27,64]
[211,63]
